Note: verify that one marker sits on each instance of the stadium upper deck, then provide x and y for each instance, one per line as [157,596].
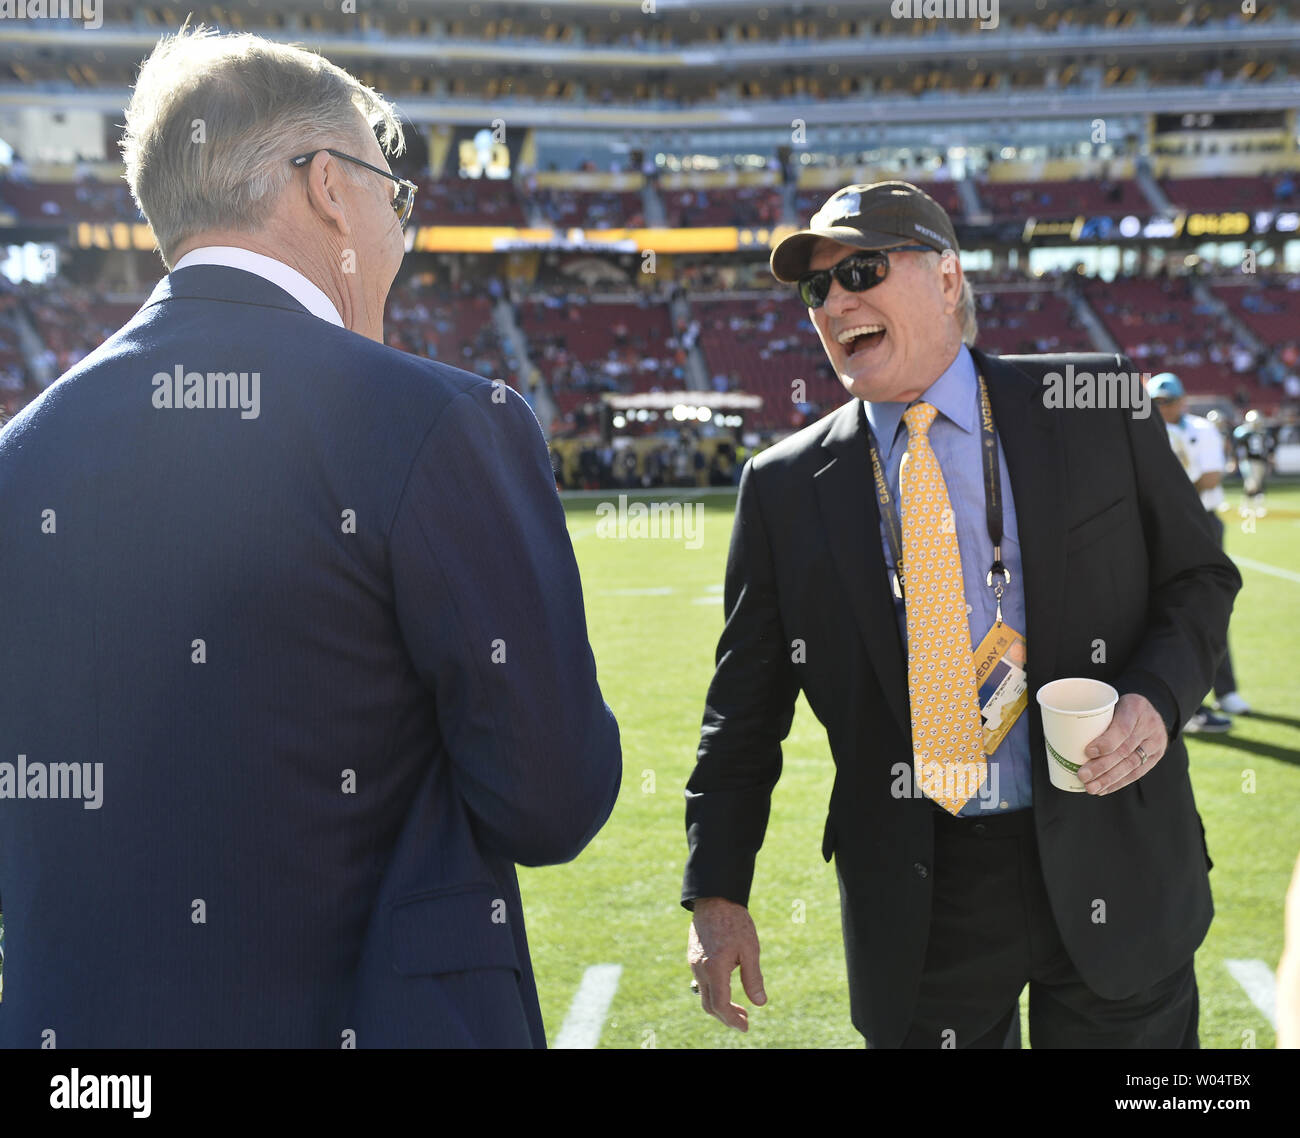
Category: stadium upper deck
[712,64]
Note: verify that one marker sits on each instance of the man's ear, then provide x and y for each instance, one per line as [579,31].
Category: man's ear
[325,181]
[950,282]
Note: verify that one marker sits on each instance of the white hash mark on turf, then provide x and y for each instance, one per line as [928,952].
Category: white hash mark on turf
[1257,979]
[1271,570]
[581,1030]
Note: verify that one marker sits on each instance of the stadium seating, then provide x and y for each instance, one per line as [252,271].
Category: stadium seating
[587,348]
[761,347]
[582,209]
[13,372]
[739,206]
[1019,200]
[73,321]
[451,329]
[1162,328]
[610,103]
[1272,313]
[945,193]
[54,202]
[1223,193]
[1027,320]
[466,201]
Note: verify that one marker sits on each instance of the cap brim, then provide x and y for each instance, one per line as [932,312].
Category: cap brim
[791,256]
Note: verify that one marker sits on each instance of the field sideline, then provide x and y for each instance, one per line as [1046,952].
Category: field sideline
[654,614]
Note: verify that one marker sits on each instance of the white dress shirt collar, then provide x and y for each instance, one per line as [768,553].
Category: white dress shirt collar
[268,268]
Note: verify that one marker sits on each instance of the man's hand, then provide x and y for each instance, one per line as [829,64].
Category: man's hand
[723,935]
[1114,759]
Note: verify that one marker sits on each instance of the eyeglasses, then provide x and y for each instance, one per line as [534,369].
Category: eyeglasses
[403,197]
[857,273]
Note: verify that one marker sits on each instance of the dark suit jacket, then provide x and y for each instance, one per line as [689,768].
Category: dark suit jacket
[391,712]
[1116,548]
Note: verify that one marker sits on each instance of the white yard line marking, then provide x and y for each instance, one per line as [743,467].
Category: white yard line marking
[1259,983]
[581,1030]
[1272,570]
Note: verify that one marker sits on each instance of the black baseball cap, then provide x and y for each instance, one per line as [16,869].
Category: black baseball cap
[876,216]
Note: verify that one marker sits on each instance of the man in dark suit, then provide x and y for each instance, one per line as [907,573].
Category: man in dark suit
[301,610]
[956,892]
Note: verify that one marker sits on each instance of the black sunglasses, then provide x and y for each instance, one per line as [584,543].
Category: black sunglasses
[403,198]
[857,273]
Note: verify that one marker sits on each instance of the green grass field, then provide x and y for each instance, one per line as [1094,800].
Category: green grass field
[654,613]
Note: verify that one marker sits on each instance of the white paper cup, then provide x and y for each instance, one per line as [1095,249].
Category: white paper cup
[1075,712]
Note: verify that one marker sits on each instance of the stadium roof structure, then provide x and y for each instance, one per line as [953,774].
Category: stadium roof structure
[873,111]
[70,68]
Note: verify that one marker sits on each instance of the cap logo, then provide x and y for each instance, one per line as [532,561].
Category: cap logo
[927,232]
[850,205]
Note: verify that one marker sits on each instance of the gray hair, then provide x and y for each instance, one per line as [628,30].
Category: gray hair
[214,120]
[966,310]
[965,303]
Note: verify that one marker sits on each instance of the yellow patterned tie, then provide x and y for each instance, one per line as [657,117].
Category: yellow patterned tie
[947,734]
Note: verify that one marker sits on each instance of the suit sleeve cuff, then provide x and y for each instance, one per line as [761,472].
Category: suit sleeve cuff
[1159,695]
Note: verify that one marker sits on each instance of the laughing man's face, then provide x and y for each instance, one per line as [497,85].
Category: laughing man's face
[890,342]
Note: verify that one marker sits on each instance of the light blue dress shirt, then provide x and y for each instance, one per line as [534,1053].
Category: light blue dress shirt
[955,439]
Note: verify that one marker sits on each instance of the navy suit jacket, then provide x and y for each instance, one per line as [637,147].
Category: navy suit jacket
[333,659]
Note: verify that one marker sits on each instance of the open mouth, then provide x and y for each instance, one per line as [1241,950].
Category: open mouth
[861,338]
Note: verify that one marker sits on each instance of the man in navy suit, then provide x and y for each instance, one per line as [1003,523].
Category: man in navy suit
[295,656]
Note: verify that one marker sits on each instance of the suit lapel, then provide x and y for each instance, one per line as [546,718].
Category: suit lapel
[1030,437]
[851,518]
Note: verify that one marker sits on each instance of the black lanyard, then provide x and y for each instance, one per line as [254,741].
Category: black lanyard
[992,501]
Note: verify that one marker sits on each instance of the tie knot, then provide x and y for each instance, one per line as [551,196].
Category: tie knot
[918,418]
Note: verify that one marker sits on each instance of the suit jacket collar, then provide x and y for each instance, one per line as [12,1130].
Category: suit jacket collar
[222,283]
[1028,433]
[300,287]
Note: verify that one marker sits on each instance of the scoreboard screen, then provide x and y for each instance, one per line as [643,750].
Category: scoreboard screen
[483,153]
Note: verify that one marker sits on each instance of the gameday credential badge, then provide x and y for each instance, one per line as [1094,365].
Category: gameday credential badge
[1000,677]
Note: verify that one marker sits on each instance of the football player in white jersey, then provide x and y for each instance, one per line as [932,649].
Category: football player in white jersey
[1200,448]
